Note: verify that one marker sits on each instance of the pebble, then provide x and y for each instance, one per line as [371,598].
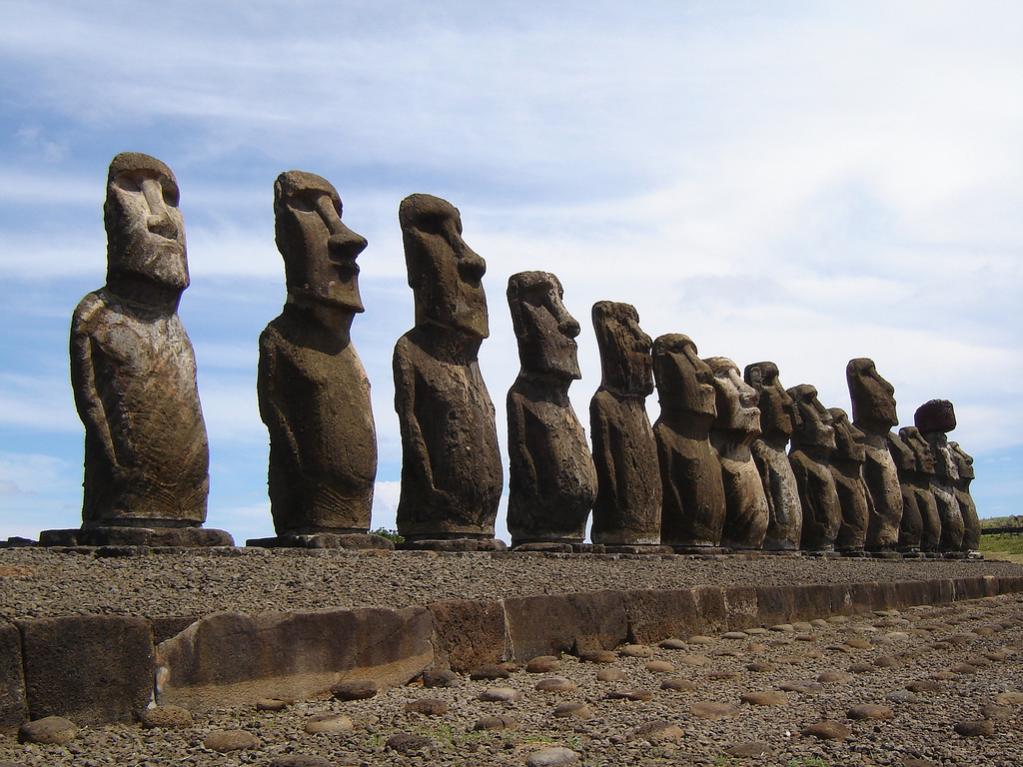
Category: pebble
[573,709]
[496,723]
[924,685]
[1009,698]
[678,684]
[996,712]
[543,664]
[694,660]
[673,644]
[427,706]
[489,671]
[861,668]
[751,750]
[701,639]
[902,696]
[660,667]
[713,710]
[50,730]
[656,731]
[963,668]
[804,686]
[440,678]
[611,675]
[271,704]
[783,627]
[635,651]
[984,728]
[735,635]
[832,677]
[357,690]
[598,656]
[166,717]
[405,742]
[556,684]
[858,644]
[828,729]
[501,694]
[760,667]
[554,756]
[764,698]
[870,711]
[886,661]
[223,741]
[329,724]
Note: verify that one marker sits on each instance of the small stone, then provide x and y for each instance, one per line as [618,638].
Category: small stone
[611,675]
[902,696]
[357,690]
[963,668]
[328,724]
[553,756]
[496,723]
[997,656]
[755,648]
[870,711]
[752,750]
[805,686]
[819,623]
[858,644]
[427,706]
[761,668]
[300,760]
[50,730]
[802,626]
[833,677]
[489,671]
[631,694]
[543,664]
[943,676]
[501,694]
[1009,698]
[701,639]
[694,660]
[766,698]
[440,678]
[271,704]
[713,710]
[995,712]
[657,731]
[660,667]
[556,684]
[756,631]
[886,661]
[635,651]
[861,668]
[223,741]
[805,638]
[673,644]
[735,635]
[573,709]
[405,743]
[828,730]
[924,685]
[166,717]
[598,656]
[983,728]
[783,627]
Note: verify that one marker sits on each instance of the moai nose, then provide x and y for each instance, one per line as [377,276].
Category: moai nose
[159,220]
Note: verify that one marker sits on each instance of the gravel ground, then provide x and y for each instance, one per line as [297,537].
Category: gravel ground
[45,583]
[886,652]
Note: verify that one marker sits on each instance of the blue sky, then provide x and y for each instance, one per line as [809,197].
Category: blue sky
[801,182]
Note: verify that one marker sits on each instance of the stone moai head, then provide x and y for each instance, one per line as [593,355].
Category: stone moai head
[319,251]
[848,438]
[735,400]
[625,362]
[813,427]
[684,381]
[145,230]
[776,406]
[936,415]
[544,329]
[903,455]
[923,456]
[963,462]
[873,398]
[444,273]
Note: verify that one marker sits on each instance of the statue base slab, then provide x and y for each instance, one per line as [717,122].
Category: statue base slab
[564,547]
[453,544]
[189,537]
[681,548]
[323,541]
[637,548]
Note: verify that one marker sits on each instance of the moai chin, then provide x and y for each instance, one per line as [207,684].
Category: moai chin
[785,526]
[133,376]
[314,396]
[693,488]
[971,521]
[451,477]
[847,469]
[813,442]
[873,412]
[934,419]
[627,511]
[915,463]
[553,482]
[735,427]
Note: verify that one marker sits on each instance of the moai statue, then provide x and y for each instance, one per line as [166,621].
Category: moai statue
[873,411]
[735,427]
[627,511]
[313,390]
[935,419]
[451,476]
[133,375]
[847,469]
[916,475]
[694,494]
[553,482]
[971,521]
[785,527]
[813,442]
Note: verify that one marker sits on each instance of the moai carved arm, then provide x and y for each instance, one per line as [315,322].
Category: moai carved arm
[87,398]
[270,401]
[405,405]
[519,434]
[672,499]
[603,449]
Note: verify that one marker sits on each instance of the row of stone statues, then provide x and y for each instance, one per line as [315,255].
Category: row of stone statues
[712,472]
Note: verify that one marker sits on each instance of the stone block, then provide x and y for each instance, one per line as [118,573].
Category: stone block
[841,599]
[776,604]
[168,626]
[467,633]
[865,597]
[740,607]
[710,602]
[812,601]
[92,669]
[13,708]
[969,588]
[235,659]
[1010,584]
[549,624]
[655,614]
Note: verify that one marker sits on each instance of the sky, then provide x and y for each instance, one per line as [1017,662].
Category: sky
[794,181]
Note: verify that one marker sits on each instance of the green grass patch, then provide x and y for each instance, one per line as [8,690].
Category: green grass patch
[1002,546]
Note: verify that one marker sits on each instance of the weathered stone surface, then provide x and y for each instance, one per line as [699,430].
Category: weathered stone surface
[915,465]
[553,756]
[753,749]
[133,367]
[427,706]
[501,694]
[575,623]
[313,391]
[543,664]
[490,671]
[937,415]
[497,723]
[92,668]
[468,633]
[735,426]
[984,728]
[785,526]
[967,507]
[631,694]
[451,476]
[873,411]
[694,505]
[657,731]
[813,442]
[552,482]
[828,730]
[358,689]
[232,659]
[50,730]
[707,710]
[764,698]
[13,707]
[407,743]
[556,684]
[573,709]
[628,505]
[847,469]
[328,724]
[655,614]
[870,711]
[224,741]
[166,717]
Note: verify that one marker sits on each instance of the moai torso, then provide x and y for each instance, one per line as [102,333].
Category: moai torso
[694,505]
[735,427]
[971,520]
[847,470]
[873,410]
[785,526]
[916,474]
[553,482]
[627,510]
[934,419]
[451,476]
[813,441]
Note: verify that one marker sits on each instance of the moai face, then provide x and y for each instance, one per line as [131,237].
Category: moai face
[936,415]
[145,230]
[776,406]
[625,362]
[902,454]
[684,381]
[319,250]
[963,461]
[873,398]
[444,273]
[735,400]
[848,438]
[544,329]
[922,453]
[813,427]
